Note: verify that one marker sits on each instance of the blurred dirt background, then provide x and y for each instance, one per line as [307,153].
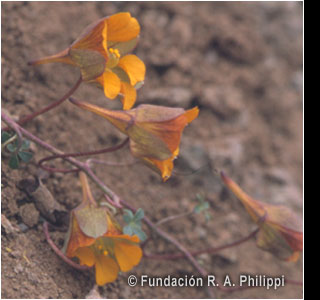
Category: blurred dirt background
[241,63]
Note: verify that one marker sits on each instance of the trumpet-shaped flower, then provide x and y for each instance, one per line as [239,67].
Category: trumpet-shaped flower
[97,240]
[101,53]
[154,131]
[280,229]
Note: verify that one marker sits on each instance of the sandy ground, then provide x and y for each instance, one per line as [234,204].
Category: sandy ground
[241,63]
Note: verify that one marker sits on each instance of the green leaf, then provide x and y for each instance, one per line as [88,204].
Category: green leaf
[201,207]
[25,145]
[135,229]
[128,216]
[139,214]
[25,156]
[12,147]
[14,162]
[141,235]
[5,136]
[128,230]
[133,226]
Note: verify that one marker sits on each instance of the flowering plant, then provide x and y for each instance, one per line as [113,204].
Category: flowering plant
[154,131]
[95,239]
[101,53]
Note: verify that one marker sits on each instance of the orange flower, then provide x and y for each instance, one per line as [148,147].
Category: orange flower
[154,131]
[97,240]
[280,229]
[101,53]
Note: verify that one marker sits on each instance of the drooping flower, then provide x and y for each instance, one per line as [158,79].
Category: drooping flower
[280,229]
[101,53]
[97,240]
[154,131]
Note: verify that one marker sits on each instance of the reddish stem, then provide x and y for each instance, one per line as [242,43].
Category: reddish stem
[83,166]
[78,154]
[208,251]
[50,106]
[59,252]
[170,239]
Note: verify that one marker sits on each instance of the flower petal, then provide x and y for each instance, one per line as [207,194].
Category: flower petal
[77,239]
[122,27]
[86,256]
[94,37]
[280,229]
[191,114]
[168,131]
[145,144]
[164,167]
[128,255]
[119,118]
[106,269]
[134,67]
[129,95]
[111,84]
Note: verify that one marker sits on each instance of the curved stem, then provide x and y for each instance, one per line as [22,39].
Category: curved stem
[59,252]
[208,251]
[78,154]
[50,106]
[174,217]
[83,166]
[111,194]
[170,239]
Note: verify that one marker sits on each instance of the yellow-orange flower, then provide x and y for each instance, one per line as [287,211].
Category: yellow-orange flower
[280,229]
[154,131]
[101,53]
[97,240]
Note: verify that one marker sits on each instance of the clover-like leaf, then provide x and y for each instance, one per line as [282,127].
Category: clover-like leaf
[18,152]
[5,136]
[14,161]
[12,147]
[133,222]
[139,214]
[25,156]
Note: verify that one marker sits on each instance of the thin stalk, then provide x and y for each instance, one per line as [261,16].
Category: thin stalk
[59,252]
[78,154]
[83,166]
[208,251]
[170,239]
[174,217]
[12,139]
[50,106]
[177,244]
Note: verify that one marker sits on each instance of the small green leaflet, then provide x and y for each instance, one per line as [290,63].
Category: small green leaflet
[133,222]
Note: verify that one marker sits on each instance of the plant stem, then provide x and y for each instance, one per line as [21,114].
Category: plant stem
[174,217]
[177,244]
[78,154]
[50,106]
[208,251]
[12,139]
[59,252]
[111,194]
[170,239]
[83,166]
